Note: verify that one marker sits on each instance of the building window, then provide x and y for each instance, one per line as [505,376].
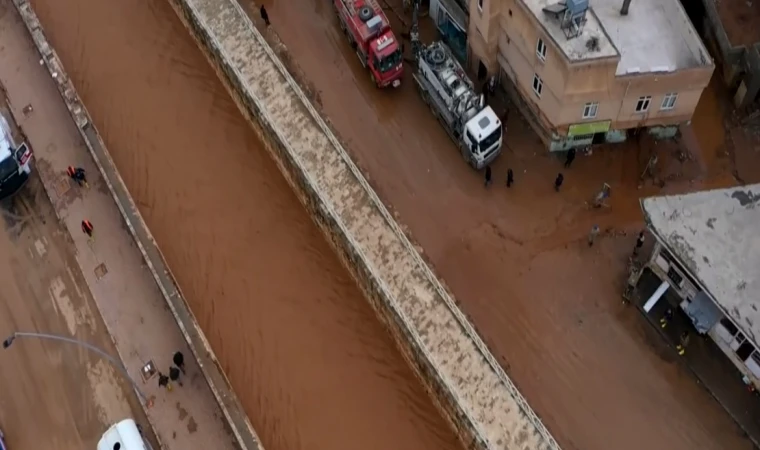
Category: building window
[541,49]
[729,326]
[643,104]
[590,110]
[669,101]
[538,85]
[480,5]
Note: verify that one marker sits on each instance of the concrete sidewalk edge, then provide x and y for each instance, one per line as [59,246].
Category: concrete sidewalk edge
[230,406]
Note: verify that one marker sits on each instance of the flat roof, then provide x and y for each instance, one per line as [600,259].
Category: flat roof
[716,235]
[655,36]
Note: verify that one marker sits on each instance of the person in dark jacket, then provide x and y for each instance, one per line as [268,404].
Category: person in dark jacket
[558,182]
[570,158]
[264,15]
[179,361]
[77,174]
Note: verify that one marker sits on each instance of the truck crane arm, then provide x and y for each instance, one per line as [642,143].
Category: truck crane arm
[414,31]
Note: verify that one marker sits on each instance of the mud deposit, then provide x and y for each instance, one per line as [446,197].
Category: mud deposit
[302,348]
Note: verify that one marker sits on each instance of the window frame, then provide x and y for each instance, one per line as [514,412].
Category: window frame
[646,101]
[541,45]
[537,81]
[670,97]
[589,106]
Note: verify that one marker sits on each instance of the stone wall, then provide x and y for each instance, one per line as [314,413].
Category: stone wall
[740,64]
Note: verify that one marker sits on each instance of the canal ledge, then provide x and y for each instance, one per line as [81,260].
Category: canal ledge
[236,419]
[462,376]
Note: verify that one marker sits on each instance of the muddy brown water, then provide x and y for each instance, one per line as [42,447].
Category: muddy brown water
[303,350]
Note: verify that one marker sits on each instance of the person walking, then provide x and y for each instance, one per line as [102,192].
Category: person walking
[88,229]
[510,178]
[666,318]
[174,375]
[163,381]
[570,158]
[683,342]
[488,176]
[264,15]
[639,244]
[592,235]
[558,181]
[179,361]
[77,174]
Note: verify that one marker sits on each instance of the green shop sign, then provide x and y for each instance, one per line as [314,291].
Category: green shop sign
[581,129]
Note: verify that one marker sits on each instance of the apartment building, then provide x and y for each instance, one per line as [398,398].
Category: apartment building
[592,71]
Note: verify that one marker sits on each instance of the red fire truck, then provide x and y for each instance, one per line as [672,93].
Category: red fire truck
[370,34]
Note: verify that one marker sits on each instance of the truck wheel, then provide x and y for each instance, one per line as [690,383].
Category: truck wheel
[374,81]
[465,155]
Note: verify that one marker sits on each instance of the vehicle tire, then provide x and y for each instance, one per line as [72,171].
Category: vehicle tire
[374,81]
[365,13]
[465,155]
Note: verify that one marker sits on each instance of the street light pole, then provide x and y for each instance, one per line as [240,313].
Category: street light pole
[102,353]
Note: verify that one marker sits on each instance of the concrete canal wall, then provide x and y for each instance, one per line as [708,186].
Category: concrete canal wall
[454,364]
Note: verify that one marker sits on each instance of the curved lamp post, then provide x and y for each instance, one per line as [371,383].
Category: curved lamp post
[7,343]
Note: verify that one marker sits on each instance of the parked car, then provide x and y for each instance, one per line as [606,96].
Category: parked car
[2,441]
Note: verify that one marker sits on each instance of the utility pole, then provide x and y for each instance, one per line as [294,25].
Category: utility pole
[102,353]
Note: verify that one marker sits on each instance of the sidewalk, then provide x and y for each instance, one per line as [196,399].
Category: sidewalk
[132,306]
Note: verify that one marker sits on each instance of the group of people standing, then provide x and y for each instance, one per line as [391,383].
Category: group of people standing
[175,371]
[511,175]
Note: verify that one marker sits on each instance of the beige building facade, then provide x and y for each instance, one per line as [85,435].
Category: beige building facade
[586,73]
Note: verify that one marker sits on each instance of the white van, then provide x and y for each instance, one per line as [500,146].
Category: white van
[15,160]
[123,436]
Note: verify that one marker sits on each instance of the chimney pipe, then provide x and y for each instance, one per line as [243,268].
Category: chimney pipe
[624,9]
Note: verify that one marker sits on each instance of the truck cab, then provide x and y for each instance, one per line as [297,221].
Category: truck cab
[482,139]
[369,32]
[15,161]
[385,60]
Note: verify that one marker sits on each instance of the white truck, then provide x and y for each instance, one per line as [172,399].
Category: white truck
[445,87]
[123,435]
[15,159]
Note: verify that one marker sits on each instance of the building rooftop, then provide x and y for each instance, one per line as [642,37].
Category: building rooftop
[655,36]
[716,235]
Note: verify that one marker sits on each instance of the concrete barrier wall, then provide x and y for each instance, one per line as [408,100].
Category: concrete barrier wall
[464,379]
[739,62]
[212,371]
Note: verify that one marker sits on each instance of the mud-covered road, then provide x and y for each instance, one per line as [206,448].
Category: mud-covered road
[548,306]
